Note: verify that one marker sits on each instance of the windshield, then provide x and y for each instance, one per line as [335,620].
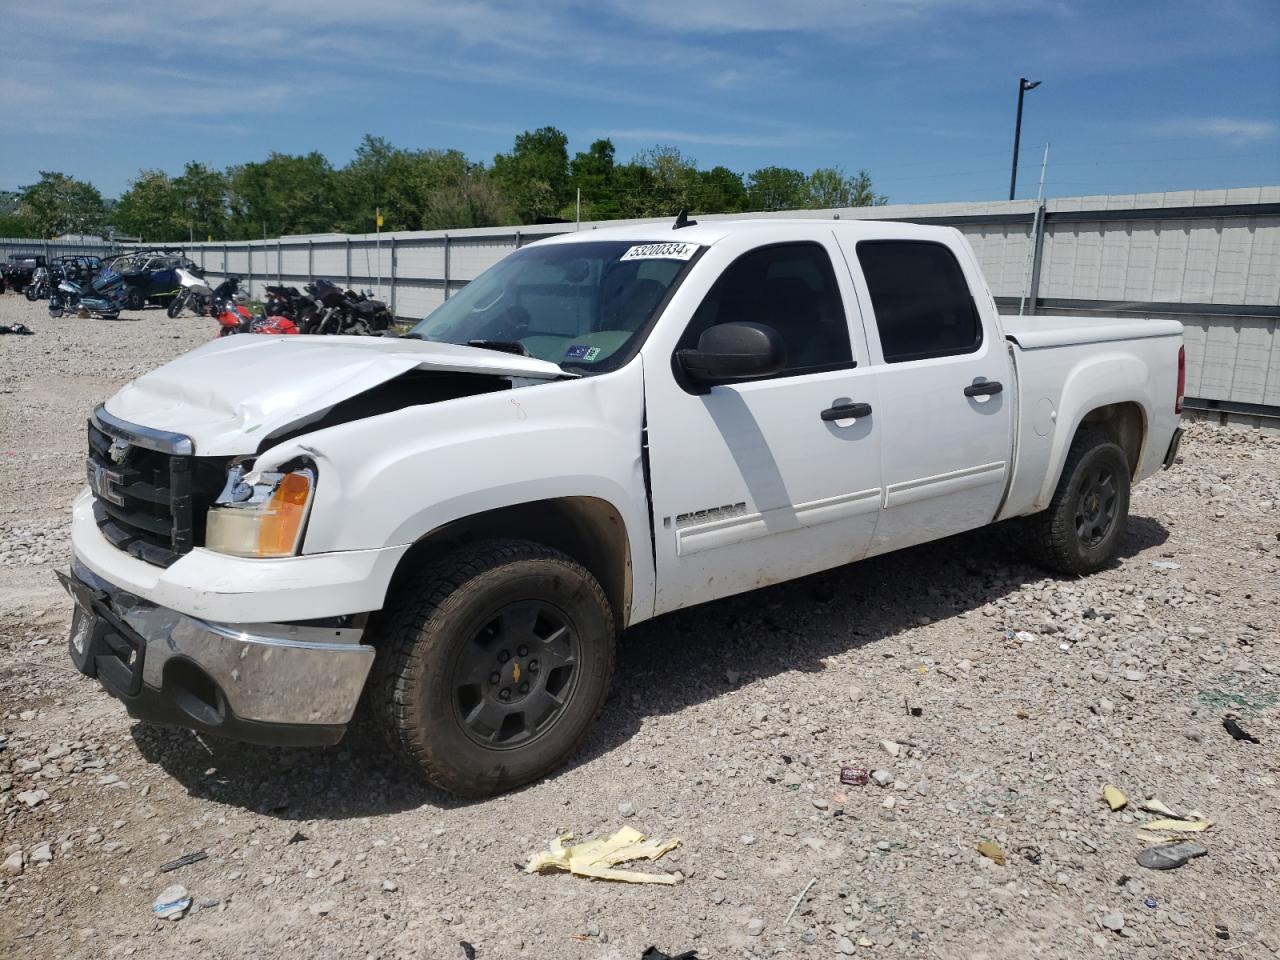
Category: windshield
[582,305]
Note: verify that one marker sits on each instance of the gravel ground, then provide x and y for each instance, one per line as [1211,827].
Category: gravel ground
[727,727]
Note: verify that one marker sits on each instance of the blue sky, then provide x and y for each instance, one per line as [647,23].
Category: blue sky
[1137,95]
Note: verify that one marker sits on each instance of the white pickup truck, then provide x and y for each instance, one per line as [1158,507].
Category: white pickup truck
[603,427]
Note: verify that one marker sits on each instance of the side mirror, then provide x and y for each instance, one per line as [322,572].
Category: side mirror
[733,351]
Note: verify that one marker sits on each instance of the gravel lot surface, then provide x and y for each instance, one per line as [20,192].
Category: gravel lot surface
[727,727]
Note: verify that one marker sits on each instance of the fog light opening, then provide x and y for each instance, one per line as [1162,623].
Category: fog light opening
[194,692]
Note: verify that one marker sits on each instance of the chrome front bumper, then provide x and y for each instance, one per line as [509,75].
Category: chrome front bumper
[262,682]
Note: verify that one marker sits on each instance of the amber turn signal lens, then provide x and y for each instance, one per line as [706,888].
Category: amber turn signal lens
[281,522]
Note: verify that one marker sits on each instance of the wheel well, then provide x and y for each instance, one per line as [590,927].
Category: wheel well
[1125,423]
[588,529]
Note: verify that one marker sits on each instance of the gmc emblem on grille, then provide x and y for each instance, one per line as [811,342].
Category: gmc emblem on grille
[106,484]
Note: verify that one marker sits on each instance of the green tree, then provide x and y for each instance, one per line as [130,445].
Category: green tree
[593,172]
[673,181]
[59,204]
[468,199]
[282,195]
[150,209]
[202,201]
[830,187]
[720,190]
[777,188]
[534,176]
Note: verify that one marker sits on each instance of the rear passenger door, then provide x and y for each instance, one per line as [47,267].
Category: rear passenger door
[945,389]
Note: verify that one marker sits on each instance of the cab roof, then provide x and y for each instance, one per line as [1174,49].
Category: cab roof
[707,232]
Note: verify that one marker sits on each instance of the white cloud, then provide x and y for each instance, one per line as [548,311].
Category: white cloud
[1232,129]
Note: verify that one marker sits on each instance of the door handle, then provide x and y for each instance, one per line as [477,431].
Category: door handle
[846,411]
[988,388]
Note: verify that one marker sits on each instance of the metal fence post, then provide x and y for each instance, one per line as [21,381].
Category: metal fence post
[248,248]
[279,257]
[1033,293]
[348,263]
[446,266]
[392,280]
[311,260]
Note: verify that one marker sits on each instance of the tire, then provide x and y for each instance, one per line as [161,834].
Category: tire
[134,300]
[1081,529]
[175,306]
[30,292]
[441,690]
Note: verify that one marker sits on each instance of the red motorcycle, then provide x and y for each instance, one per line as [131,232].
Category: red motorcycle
[235,317]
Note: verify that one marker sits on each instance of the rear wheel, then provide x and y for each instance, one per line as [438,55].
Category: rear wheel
[1081,529]
[493,666]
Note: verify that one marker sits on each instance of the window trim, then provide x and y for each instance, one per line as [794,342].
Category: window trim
[849,364]
[928,354]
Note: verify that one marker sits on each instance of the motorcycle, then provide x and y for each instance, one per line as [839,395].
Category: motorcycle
[193,292]
[292,303]
[234,316]
[347,313]
[101,297]
[38,287]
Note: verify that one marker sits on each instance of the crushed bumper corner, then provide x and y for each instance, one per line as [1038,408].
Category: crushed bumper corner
[282,683]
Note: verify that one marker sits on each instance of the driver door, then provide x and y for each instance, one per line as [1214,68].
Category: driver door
[751,484]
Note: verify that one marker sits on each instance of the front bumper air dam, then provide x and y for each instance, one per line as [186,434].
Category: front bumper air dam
[268,683]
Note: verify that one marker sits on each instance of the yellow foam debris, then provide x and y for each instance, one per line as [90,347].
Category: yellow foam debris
[1178,826]
[599,858]
[991,850]
[1115,799]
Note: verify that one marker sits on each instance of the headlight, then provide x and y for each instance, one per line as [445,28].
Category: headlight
[260,514]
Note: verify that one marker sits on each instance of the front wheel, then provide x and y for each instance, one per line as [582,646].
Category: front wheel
[175,306]
[1080,531]
[30,292]
[493,664]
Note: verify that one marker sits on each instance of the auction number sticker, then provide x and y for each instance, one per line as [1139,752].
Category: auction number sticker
[661,251]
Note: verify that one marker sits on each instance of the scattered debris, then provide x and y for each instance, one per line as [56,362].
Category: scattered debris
[1238,732]
[626,809]
[468,951]
[172,903]
[1113,921]
[755,927]
[184,861]
[1221,932]
[598,858]
[1030,854]
[1171,856]
[1150,903]
[991,850]
[1022,636]
[298,837]
[19,328]
[1177,826]
[1115,799]
[854,776]
[796,905]
[882,777]
[1166,565]
[912,711]
[1152,805]
[890,747]
[653,953]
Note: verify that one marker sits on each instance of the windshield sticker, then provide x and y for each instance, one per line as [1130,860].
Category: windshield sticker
[660,251]
[580,351]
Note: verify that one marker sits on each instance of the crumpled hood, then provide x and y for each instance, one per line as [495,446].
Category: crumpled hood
[230,393]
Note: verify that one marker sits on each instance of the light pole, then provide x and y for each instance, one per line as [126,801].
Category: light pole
[1023,86]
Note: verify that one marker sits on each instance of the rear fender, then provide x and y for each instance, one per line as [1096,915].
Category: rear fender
[1095,382]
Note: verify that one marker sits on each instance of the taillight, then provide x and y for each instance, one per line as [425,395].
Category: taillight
[1182,379]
